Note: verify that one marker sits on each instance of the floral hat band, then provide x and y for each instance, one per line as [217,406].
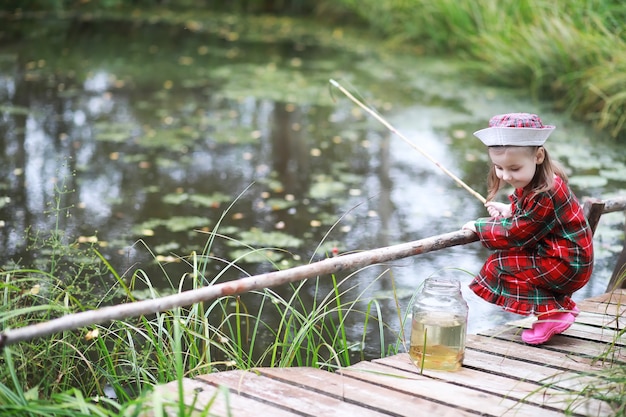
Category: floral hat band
[515,129]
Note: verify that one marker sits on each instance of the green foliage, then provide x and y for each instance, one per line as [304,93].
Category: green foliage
[569,52]
[111,369]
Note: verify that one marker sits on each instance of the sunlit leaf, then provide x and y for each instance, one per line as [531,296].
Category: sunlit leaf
[92,334]
[35,289]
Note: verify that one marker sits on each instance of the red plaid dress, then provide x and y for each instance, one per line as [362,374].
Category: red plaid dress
[543,253]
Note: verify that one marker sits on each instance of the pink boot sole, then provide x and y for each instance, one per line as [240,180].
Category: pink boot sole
[545,328]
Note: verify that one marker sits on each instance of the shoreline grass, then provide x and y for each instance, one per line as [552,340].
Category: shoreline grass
[111,369]
[572,54]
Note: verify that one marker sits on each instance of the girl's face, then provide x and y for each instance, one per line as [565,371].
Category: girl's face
[516,165]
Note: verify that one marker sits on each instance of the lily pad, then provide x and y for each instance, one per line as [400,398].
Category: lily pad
[197,200]
[588,181]
[615,174]
[326,188]
[113,132]
[167,247]
[256,256]
[185,223]
[173,224]
[15,110]
[258,237]
[4,200]
[280,203]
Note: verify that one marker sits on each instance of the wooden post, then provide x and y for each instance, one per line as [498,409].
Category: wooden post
[593,210]
[618,278]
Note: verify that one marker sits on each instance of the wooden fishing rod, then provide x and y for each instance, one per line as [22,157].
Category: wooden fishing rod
[420,150]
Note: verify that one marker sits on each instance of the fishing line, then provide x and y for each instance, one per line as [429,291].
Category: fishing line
[412,144]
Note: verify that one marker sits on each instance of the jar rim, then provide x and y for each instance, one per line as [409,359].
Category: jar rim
[442,284]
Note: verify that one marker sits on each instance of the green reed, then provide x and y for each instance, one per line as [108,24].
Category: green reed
[571,53]
[111,369]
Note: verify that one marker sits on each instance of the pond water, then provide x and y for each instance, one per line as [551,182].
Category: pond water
[151,135]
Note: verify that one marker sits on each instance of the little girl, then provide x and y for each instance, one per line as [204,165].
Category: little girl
[542,241]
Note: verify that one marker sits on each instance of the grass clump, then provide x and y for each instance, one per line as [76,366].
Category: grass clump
[111,369]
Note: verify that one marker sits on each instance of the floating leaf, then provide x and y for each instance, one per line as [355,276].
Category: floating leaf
[327,188]
[280,203]
[173,224]
[212,201]
[198,200]
[176,199]
[588,181]
[185,223]
[4,200]
[167,247]
[616,174]
[256,256]
[257,237]
[15,110]
[113,132]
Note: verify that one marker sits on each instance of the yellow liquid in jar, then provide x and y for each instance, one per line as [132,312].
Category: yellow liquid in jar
[444,344]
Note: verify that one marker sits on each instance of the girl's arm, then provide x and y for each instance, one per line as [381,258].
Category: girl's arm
[525,228]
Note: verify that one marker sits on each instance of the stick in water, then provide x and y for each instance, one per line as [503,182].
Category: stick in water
[420,150]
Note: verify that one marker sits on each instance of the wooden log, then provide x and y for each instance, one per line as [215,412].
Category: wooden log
[271,279]
[325,267]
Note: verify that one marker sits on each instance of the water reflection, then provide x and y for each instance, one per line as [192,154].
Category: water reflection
[151,132]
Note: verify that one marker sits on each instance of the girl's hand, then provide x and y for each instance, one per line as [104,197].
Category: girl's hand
[470,226]
[496,209]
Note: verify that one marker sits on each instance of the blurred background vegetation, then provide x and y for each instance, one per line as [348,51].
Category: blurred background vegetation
[572,54]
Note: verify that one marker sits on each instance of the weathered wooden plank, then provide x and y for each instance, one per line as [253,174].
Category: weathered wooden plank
[610,309]
[480,402]
[360,392]
[203,397]
[601,320]
[555,359]
[598,334]
[526,371]
[614,297]
[501,376]
[506,386]
[287,396]
[558,343]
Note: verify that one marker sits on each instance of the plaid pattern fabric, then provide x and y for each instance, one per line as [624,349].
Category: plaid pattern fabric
[516,120]
[543,253]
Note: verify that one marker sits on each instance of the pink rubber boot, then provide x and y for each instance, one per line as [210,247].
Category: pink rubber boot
[547,326]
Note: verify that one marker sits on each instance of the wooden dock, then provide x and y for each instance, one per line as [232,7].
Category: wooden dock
[501,376]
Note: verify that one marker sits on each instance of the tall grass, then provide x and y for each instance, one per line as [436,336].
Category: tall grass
[572,53]
[111,369]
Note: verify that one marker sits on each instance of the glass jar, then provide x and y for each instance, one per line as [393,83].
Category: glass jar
[439,326]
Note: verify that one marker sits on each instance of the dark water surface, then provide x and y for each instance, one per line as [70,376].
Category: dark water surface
[149,136]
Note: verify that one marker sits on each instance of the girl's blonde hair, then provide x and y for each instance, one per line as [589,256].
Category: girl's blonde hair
[542,181]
